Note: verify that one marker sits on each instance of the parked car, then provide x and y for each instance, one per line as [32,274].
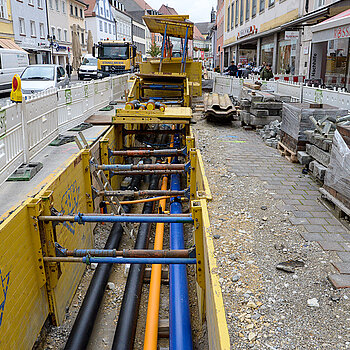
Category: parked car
[11,62]
[40,77]
[88,68]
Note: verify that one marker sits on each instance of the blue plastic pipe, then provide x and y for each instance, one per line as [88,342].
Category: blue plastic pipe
[180,335]
[120,260]
[81,219]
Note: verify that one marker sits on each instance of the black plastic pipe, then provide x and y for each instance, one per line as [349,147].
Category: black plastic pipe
[126,327]
[80,334]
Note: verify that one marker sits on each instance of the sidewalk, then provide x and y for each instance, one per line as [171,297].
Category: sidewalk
[265,212]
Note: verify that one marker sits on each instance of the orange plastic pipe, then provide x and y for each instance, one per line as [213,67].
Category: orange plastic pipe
[151,333]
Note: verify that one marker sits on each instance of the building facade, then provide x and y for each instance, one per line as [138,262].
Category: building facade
[30,24]
[59,31]
[100,20]
[123,22]
[220,21]
[6,21]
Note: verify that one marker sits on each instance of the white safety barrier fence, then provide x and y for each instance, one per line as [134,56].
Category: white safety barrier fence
[25,128]
[224,84]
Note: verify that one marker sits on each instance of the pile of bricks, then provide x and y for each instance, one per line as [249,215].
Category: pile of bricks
[296,119]
[259,108]
[337,175]
[271,133]
[318,148]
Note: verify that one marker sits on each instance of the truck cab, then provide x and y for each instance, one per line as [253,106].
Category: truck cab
[115,57]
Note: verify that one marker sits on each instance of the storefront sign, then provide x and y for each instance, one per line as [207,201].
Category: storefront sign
[342,32]
[291,35]
[316,61]
[247,31]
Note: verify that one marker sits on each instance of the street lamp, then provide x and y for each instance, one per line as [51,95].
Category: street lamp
[53,44]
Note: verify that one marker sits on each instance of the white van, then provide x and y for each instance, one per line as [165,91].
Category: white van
[88,68]
[11,62]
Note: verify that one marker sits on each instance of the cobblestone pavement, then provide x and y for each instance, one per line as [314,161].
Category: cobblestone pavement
[300,196]
[265,212]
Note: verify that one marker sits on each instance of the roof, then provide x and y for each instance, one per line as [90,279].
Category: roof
[197,35]
[82,2]
[176,25]
[204,27]
[91,5]
[166,10]
[137,16]
[135,5]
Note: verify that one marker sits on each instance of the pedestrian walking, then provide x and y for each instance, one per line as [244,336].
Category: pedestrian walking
[69,70]
[266,73]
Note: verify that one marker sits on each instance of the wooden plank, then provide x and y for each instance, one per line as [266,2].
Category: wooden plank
[99,119]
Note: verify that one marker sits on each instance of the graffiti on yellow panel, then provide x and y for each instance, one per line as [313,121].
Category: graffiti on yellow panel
[70,204]
[3,292]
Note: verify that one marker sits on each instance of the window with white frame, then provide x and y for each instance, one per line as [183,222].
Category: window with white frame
[82,38]
[65,35]
[101,26]
[59,34]
[57,5]
[22,28]
[81,13]
[271,2]
[105,27]
[51,4]
[3,9]
[53,32]
[109,28]
[101,11]
[40,4]
[64,6]
[42,31]
[32,29]
[107,13]
[319,3]
[31,2]
[113,29]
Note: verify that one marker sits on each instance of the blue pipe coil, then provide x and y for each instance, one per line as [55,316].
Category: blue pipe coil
[180,335]
[81,219]
[120,260]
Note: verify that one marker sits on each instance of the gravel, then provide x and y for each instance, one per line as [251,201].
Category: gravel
[267,308]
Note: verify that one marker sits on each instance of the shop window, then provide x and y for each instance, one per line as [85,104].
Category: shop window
[247,10]
[262,5]
[286,56]
[254,8]
[232,16]
[237,13]
[242,13]
[336,63]
[228,19]
[267,53]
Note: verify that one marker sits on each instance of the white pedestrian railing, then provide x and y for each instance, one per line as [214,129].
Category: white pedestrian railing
[224,84]
[25,128]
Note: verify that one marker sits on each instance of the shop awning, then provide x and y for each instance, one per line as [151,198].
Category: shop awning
[9,44]
[336,27]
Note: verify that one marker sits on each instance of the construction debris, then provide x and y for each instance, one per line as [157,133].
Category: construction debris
[271,133]
[218,108]
[259,108]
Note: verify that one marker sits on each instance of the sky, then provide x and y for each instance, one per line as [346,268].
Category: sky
[199,10]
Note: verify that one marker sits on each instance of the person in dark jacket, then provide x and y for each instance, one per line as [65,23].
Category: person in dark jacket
[266,74]
[69,69]
[232,69]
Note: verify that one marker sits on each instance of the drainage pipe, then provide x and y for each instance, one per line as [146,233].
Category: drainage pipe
[180,336]
[84,323]
[127,321]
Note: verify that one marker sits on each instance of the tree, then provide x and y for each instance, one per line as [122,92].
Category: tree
[154,50]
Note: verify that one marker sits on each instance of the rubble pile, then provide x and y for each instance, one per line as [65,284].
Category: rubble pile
[259,108]
[319,144]
[271,133]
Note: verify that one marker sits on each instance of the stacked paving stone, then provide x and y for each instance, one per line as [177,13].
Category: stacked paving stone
[337,175]
[271,133]
[259,108]
[299,117]
[318,148]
